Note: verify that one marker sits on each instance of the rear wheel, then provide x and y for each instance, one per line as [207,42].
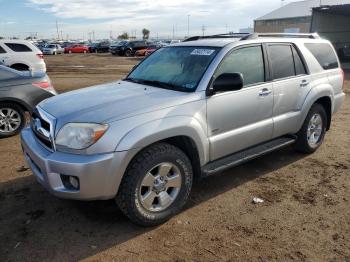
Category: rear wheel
[311,135]
[128,53]
[12,119]
[156,185]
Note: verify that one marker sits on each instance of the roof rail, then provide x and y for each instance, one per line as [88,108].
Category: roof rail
[289,35]
[229,35]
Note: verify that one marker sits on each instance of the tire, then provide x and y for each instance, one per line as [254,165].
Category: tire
[70,51]
[145,169]
[128,53]
[84,52]
[311,134]
[54,53]
[18,114]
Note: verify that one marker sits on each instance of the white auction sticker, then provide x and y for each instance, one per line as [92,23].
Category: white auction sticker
[202,52]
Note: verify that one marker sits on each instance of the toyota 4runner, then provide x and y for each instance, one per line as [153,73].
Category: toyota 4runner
[187,111]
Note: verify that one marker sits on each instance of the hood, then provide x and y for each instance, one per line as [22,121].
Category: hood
[114,101]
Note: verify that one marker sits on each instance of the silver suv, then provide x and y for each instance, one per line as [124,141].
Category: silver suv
[187,111]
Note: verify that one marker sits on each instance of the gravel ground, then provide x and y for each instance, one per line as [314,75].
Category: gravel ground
[305,216]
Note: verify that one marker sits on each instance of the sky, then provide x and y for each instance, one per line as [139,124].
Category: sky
[81,19]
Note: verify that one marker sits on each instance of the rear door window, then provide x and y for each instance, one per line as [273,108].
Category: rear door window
[324,54]
[18,47]
[282,61]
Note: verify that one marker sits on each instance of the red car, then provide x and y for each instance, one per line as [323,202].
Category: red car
[151,49]
[76,49]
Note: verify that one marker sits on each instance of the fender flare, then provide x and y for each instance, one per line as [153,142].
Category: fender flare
[316,93]
[157,130]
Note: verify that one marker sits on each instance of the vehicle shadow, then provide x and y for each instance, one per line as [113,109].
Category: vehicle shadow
[37,226]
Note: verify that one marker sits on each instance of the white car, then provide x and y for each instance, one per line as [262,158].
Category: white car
[21,55]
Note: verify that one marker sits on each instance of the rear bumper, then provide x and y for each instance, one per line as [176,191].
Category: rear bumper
[39,67]
[99,175]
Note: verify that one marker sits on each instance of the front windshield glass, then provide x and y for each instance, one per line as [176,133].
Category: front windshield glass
[177,68]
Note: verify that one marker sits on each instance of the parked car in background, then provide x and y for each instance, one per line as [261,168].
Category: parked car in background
[344,52]
[129,48]
[21,55]
[115,47]
[20,92]
[102,47]
[151,49]
[77,49]
[141,52]
[53,49]
[190,110]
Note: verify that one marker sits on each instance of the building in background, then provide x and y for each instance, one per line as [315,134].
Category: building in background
[295,17]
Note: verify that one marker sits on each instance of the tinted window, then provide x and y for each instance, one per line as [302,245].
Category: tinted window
[249,61]
[324,55]
[282,61]
[18,47]
[299,65]
[2,51]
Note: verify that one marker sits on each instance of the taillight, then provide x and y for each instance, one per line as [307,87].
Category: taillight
[40,56]
[43,85]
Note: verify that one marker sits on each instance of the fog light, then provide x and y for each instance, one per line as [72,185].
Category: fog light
[74,182]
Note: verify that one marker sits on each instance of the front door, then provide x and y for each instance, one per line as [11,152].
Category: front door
[243,118]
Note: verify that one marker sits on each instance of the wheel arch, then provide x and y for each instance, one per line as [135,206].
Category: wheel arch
[19,64]
[18,102]
[326,103]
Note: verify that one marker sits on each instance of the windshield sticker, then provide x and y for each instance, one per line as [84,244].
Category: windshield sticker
[206,52]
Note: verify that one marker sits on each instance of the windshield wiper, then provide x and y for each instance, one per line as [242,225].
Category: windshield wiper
[151,83]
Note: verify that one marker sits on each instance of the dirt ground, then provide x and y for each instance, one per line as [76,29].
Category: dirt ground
[305,216]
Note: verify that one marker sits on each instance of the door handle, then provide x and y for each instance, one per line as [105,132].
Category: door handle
[304,83]
[265,92]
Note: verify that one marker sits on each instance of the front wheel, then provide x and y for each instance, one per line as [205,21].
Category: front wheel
[311,134]
[156,185]
[12,119]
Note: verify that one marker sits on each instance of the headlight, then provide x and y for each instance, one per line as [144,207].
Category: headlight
[80,135]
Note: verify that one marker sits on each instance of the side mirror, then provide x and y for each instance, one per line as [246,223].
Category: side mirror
[226,82]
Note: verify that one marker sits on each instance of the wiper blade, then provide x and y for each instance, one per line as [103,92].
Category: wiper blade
[158,84]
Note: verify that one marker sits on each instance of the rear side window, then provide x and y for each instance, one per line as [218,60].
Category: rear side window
[324,55]
[18,47]
[282,61]
[2,51]
[248,61]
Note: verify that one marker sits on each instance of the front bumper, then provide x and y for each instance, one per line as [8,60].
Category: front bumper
[99,175]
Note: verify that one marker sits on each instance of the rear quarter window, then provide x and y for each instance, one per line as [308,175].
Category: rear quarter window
[324,54]
[18,47]
[2,51]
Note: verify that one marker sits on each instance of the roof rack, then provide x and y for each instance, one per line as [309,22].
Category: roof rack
[289,35]
[229,35]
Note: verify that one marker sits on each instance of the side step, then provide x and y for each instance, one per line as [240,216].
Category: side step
[245,155]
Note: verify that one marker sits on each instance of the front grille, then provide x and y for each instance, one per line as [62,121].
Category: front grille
[42,129]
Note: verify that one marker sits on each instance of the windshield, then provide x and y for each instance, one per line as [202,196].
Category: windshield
[177,68]
[51,46]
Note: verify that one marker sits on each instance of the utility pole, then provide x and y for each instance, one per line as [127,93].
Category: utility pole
[58,34]
[173,31]
[203,29]
[188,25]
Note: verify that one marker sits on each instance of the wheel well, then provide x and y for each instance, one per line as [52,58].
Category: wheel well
[327,105]
[20,66]
[188,146]
[24,108]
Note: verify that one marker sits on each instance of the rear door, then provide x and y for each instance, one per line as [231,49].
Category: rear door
[291,83]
